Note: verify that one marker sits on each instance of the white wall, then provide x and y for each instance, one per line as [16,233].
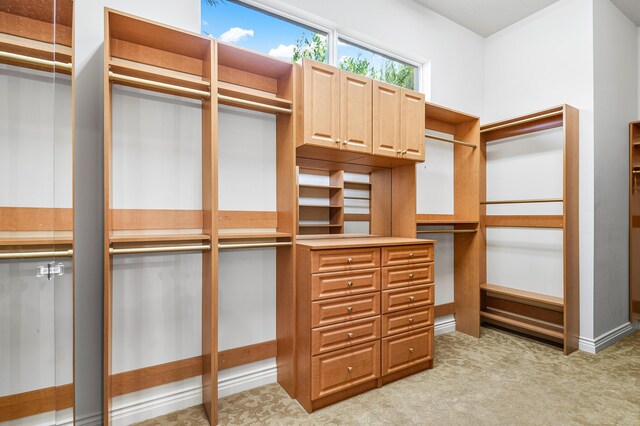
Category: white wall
[544,60]
[616,104]
[89,35]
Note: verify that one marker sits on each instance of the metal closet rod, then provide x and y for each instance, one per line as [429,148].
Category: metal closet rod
[254,245]
[446,231]
[438,138]
[252,103]
[163,249]
[36,254]
[36,61]
[524,120]
[549,200]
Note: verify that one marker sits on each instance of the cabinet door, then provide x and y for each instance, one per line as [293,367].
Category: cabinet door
[321,104]
[386,119]
[412,119]
[355,112]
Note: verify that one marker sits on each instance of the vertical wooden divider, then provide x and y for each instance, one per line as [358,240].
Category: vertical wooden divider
[336,198]
[210,227]
[403,201]
[380,204]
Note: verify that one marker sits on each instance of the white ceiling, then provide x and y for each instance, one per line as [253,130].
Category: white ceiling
[485,17]
[631,8]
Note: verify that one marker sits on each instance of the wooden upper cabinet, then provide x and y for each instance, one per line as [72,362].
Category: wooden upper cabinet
[321,104]
[412,125]
[355,112]
[386,119]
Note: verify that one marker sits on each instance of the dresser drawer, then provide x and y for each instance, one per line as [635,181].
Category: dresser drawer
[344,335]
[408,297]
[344,259]
[337,284]
[403,276]
[404,321]
[340,370]
[333,311]
[406,350]
[404,255]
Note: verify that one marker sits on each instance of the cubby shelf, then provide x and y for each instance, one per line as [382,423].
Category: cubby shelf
[522,294]
[509,321]
[319,225]
[321,206]
[158,238]
[313,186]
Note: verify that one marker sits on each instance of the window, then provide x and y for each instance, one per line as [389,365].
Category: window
[254,29]
[237,22]
[375,65]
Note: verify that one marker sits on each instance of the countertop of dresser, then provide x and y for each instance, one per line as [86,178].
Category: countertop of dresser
[358,241]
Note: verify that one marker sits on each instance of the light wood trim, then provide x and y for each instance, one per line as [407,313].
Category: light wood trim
[503,319]
[550,221]
[35,219]
[246,354]
[148,377]
[522,294]
[491,128]
[141,238]
[357,217]
[147,84]
[234,219]
[542,120]
[445,114]
[130,219]
[525,308]
[445,309]
[34,402]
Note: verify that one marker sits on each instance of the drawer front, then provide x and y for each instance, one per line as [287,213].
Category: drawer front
[406,298]
[343,369]
[406,350]
[345,335]
[404,321]
[403,276]
[338,284]
[344,259]
[333,311]
[405,255]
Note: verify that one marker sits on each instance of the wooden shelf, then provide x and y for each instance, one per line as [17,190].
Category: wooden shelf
[222,236]
[35,241]
[350,182]
[509,321]
[308,185]
[357,198]
[157,74]
[251,95]
[143,238]
[319,225]
[525,295]
[430,222]
[320,205]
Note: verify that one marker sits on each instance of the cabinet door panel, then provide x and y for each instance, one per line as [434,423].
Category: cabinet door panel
[321,104]
[412,133]
[386,119]
[355,118]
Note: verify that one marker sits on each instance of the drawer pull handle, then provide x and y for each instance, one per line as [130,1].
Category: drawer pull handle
[349,369]
[349,283]
[350,260]
[350,335]
[410,320]
[410,254]
[337,140]
[411,350]
[410,275]
[411,298]
[350,309]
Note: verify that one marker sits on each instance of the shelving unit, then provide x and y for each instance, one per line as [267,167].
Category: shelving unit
[634,221]
[541,315]
[153,57]
[464,131]
[36,46]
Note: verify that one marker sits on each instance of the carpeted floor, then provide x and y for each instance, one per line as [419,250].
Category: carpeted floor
[499,379]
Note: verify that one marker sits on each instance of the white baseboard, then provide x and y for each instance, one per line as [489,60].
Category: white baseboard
[249,379]
[94,419]
[444,325]
[593,346]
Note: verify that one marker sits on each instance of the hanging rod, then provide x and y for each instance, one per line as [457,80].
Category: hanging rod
[36,254]
[635,172]
[128,79]
[550,200]
[524,120]
[446,231]
[164,249]
[35,61]
[252,103]
[472,145]
[254,245]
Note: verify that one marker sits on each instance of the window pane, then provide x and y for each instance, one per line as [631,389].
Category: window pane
[366,62]
[239,24]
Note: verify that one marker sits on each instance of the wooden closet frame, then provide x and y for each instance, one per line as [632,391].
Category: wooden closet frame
[550,318]
[152,56]
[31,39]
[463,223]
[634,220]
